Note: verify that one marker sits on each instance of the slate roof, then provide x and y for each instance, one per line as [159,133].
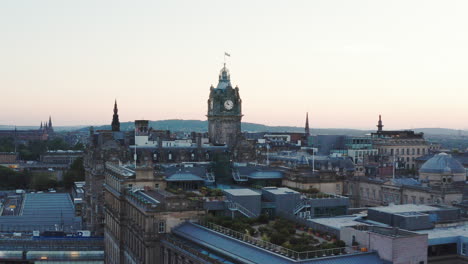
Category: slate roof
[406,181]
[185,173]
[442,163]
[246,253]
[257,172]
[44,211]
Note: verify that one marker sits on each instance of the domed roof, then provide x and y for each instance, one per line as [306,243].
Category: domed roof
[442,163]
[224,78]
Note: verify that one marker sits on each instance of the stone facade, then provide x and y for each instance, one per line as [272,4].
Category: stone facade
[404,146]
[394,245]
[139,215]
[224,112]
[102,148]
[364,192]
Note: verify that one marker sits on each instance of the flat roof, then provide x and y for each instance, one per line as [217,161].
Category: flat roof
[281,190]
[247,253]
[405,208]
[338,222]
[241,192]
[444,233]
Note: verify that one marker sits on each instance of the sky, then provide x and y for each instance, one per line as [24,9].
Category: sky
[345,62]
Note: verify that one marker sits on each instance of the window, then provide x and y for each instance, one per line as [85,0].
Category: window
[162,227]
[156,186]
[464,249]
[169,156]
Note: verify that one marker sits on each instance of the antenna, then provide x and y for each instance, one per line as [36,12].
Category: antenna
[313,160]
[135,155]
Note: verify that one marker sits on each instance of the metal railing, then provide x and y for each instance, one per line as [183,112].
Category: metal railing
[322,196]
[233,206]
[238,177]
[276,248]
[209,177]
[180,244]
[301,205]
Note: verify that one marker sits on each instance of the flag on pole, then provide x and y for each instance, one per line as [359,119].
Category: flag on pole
[227,54]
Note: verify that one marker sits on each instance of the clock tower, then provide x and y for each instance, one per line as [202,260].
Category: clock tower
[224,111]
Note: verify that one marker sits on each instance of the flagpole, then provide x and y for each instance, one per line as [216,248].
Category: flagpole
[135,156]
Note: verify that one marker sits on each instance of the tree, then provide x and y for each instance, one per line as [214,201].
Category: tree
[75,173]
[10,179]
[57,144]
[43,181]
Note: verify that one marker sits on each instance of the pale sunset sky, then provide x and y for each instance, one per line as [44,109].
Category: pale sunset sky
[345,62]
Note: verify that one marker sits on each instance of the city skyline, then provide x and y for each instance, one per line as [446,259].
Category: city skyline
[344,63]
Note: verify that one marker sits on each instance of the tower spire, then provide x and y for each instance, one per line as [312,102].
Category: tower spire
[115,118]
[307,129]
[50,122]
[379,124]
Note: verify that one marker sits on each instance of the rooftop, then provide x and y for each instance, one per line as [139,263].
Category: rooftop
[386,231]
[279,191]
[443,235]
[241,192]
[405,208]
[442,163]
[44,211]
[339,221]
[120,169]
[244,252]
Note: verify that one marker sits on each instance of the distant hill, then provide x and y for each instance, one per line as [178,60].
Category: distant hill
[56,128]
[441,131]
[202,126]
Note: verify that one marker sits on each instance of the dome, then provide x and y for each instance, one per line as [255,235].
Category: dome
[442,163]
[224,78]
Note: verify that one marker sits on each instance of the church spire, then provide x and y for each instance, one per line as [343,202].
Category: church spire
[307,129]
[115,118]
[379,125]
[50,122]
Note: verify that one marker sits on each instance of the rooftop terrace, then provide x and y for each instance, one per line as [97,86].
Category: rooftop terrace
[246,249]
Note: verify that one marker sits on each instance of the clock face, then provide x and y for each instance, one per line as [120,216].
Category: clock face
[228,104]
